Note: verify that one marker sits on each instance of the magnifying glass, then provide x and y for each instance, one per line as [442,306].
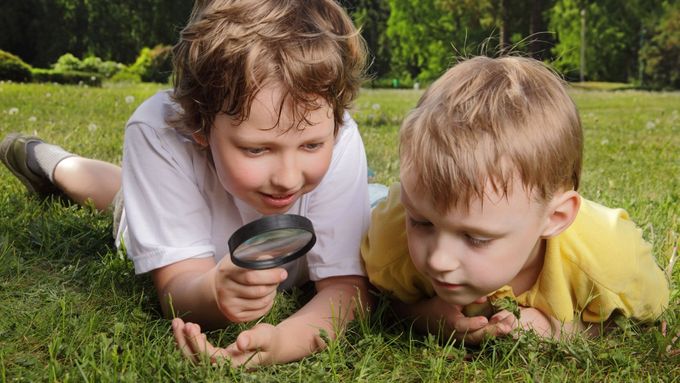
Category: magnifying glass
[271,241]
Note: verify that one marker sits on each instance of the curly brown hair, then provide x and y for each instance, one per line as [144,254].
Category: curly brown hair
[230,49]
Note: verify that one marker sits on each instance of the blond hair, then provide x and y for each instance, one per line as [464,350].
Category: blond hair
[487,121]
[230,49]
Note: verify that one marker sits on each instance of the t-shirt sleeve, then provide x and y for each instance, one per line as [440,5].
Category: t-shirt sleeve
[621,273]
[165,210]
[339,209]
[384,251]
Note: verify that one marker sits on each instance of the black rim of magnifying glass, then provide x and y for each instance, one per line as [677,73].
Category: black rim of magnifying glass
[266,224]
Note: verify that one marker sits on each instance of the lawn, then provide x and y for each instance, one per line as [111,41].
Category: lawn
[71,308]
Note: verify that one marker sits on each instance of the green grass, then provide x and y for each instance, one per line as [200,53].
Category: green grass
[71,308]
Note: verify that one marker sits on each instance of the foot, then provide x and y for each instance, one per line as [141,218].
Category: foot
[13,156]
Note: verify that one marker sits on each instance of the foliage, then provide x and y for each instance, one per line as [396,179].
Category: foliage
[40,31]
[153,65]
[91,64]
[67,77]
[612,37]
[71,308]
[661,53]
[13,68]
[371,16]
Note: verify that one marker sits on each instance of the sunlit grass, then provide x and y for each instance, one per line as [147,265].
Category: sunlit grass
[71,308]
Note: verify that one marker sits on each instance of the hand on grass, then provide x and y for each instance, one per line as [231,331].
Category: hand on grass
[194,344]
[243,295]
[257,346]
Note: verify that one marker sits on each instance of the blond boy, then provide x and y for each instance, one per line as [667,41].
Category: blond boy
[488,208]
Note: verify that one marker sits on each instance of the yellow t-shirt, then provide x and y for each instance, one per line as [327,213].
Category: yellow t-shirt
[599,264]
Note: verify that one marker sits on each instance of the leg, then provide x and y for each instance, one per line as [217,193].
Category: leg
[83,179]
[47,169]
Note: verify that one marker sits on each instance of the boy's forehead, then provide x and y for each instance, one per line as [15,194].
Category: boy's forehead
[416,197]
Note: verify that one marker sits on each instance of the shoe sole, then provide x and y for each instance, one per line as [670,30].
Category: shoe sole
[13,167]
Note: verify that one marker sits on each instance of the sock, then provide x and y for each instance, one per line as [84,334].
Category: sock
[42,158]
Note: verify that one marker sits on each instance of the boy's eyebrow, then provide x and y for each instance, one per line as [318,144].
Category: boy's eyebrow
[467,228]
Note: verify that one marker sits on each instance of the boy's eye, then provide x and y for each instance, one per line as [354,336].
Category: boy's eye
[477,242]
[254,151]
[313,146]
[418,223]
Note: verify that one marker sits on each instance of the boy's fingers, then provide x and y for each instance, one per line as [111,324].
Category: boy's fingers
[180,340]
[262,277]
[253,292]
[464,324]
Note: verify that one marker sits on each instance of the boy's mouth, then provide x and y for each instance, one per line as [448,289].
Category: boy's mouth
[448,286]
[278,201]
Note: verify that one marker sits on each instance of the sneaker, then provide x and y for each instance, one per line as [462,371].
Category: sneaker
[13,156]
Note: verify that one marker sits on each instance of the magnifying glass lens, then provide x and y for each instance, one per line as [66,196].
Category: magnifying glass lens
[271,241]
[273,244]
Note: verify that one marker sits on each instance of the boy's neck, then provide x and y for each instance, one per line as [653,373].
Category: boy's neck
[528,275]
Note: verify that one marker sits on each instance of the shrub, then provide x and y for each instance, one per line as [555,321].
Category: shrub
[68,77]
[127,76]
[13,68]
[91,64]
[154,65]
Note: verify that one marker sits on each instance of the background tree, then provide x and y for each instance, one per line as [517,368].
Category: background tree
[39,31]
[612,36]
[371,16]
[660,54]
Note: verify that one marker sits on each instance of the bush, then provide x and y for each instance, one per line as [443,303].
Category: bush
[126,76]
[154,65]
[13,68]
[91,64]
[69,77]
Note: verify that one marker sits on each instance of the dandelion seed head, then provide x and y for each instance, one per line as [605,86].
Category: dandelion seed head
[13,110]
[129,99]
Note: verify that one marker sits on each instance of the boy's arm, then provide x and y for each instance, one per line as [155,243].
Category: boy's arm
[549,327]
[201,291]
[294,338]
[333,306]
[433,315]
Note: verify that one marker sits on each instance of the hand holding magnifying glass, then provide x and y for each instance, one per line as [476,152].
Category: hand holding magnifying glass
[271,241]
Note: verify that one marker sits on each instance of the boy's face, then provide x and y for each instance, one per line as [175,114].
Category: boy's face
[470,254]
[265,167]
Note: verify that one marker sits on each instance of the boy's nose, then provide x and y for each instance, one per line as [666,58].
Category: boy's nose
[443,256]
[287,176]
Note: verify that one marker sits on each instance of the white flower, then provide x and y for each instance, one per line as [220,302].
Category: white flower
[13,110]
[375,106]
[32,119]
[604,142]
[92,127]
[129,99]
[650,125]
[48,94]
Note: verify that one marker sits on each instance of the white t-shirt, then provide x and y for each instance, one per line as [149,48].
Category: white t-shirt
[176,208]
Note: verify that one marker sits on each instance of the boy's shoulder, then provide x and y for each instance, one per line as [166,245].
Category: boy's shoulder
[155,110]
[601,241]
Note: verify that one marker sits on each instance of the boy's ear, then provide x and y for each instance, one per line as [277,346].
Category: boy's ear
[200,138]
[562,210]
